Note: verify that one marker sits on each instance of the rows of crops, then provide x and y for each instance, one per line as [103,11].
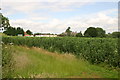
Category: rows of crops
[95,50]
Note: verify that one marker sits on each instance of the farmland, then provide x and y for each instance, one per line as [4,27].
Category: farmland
[95,50]
[59,39]
[38,63]
[64,56]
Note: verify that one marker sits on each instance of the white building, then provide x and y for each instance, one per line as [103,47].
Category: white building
[45,35]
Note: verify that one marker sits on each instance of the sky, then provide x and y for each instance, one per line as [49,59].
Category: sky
[56,16]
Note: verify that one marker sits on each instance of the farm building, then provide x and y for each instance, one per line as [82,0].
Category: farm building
[45,35]
[27,35]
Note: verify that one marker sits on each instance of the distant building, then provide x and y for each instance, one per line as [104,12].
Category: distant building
[20,34]
[27,35]
[73,33]
[45,35]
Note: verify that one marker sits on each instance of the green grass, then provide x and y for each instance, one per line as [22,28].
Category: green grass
[39,63]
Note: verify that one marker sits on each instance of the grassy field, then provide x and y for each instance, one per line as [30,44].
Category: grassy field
[39,63]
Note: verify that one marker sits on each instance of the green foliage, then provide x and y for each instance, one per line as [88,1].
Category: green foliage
[68,31]
[116,34]
[29,32]
[95,50]
[11,31]
[94,32]
[113,35]
[100,32]
[79,34]
[91,32]
[7,62]
[4,22]
[20,31]
[109,35]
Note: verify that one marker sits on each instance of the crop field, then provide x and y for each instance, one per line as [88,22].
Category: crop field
[95,50]
[61,57]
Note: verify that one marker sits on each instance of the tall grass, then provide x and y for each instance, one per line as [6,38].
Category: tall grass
[7,62]
[39,63]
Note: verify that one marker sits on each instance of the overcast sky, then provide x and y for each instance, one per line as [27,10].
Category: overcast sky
[55,16]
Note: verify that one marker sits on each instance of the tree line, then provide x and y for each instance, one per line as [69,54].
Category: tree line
[9,30]
[12,31]
[90,32]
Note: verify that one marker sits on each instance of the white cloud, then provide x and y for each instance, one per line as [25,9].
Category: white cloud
[77,23]
[30,8]
[15,7]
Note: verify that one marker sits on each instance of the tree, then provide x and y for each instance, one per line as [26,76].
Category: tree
[29,32]
[109,35]
[91,32]
[10,31]
[68,31]
[100,32]
[20,31]
[37,33]
[4,22]
[79,34]
[116,34]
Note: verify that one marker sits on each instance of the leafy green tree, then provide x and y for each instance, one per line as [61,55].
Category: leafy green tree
[4,22]
[91,32]
[20,31]
[116,34]
[10,31]
[29,32]
[79,34]
[68,31]
[100,32]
